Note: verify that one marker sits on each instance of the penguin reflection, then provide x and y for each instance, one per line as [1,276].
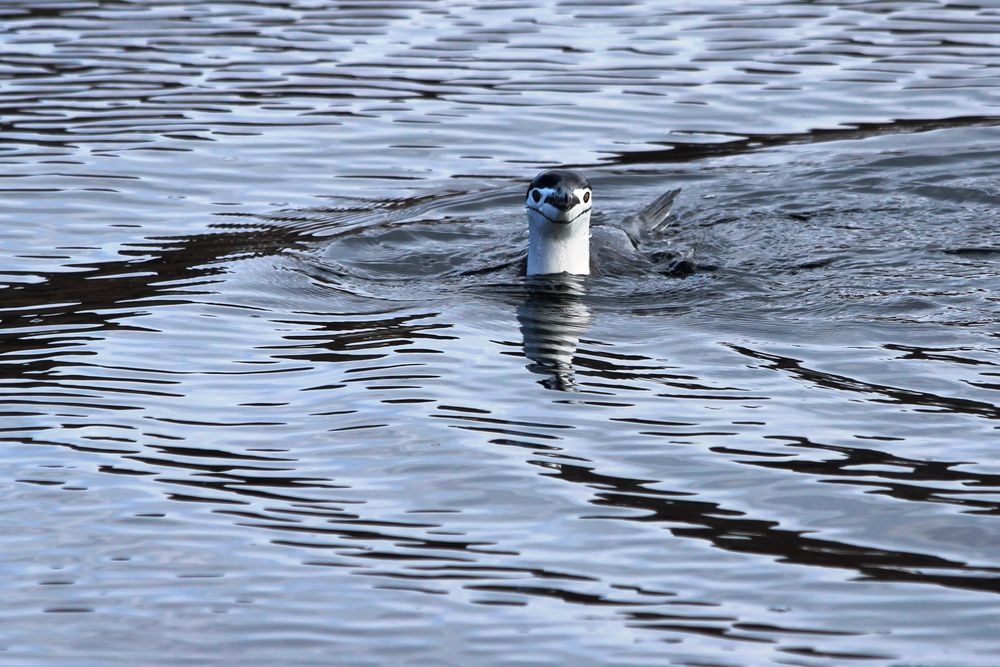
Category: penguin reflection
[553,317]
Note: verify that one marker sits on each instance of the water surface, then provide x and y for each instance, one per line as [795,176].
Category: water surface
[274,391]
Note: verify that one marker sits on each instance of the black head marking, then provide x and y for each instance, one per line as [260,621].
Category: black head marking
[559,178]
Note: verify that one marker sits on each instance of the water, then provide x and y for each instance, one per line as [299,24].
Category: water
[274,391]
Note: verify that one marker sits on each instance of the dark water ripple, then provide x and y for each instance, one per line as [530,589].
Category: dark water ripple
[273,391]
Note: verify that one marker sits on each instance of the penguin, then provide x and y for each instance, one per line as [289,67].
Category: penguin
[558,204]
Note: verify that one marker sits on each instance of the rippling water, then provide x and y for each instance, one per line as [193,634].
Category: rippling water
[274,392]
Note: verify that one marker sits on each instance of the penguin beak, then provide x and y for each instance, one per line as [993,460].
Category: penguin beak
[562,200]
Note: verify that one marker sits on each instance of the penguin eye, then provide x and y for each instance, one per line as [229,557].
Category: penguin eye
[536,196]
[586,197]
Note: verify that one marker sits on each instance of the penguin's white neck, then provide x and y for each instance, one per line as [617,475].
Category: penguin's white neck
[555,247]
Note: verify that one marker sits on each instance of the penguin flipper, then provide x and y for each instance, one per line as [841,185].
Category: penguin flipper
[652,218]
